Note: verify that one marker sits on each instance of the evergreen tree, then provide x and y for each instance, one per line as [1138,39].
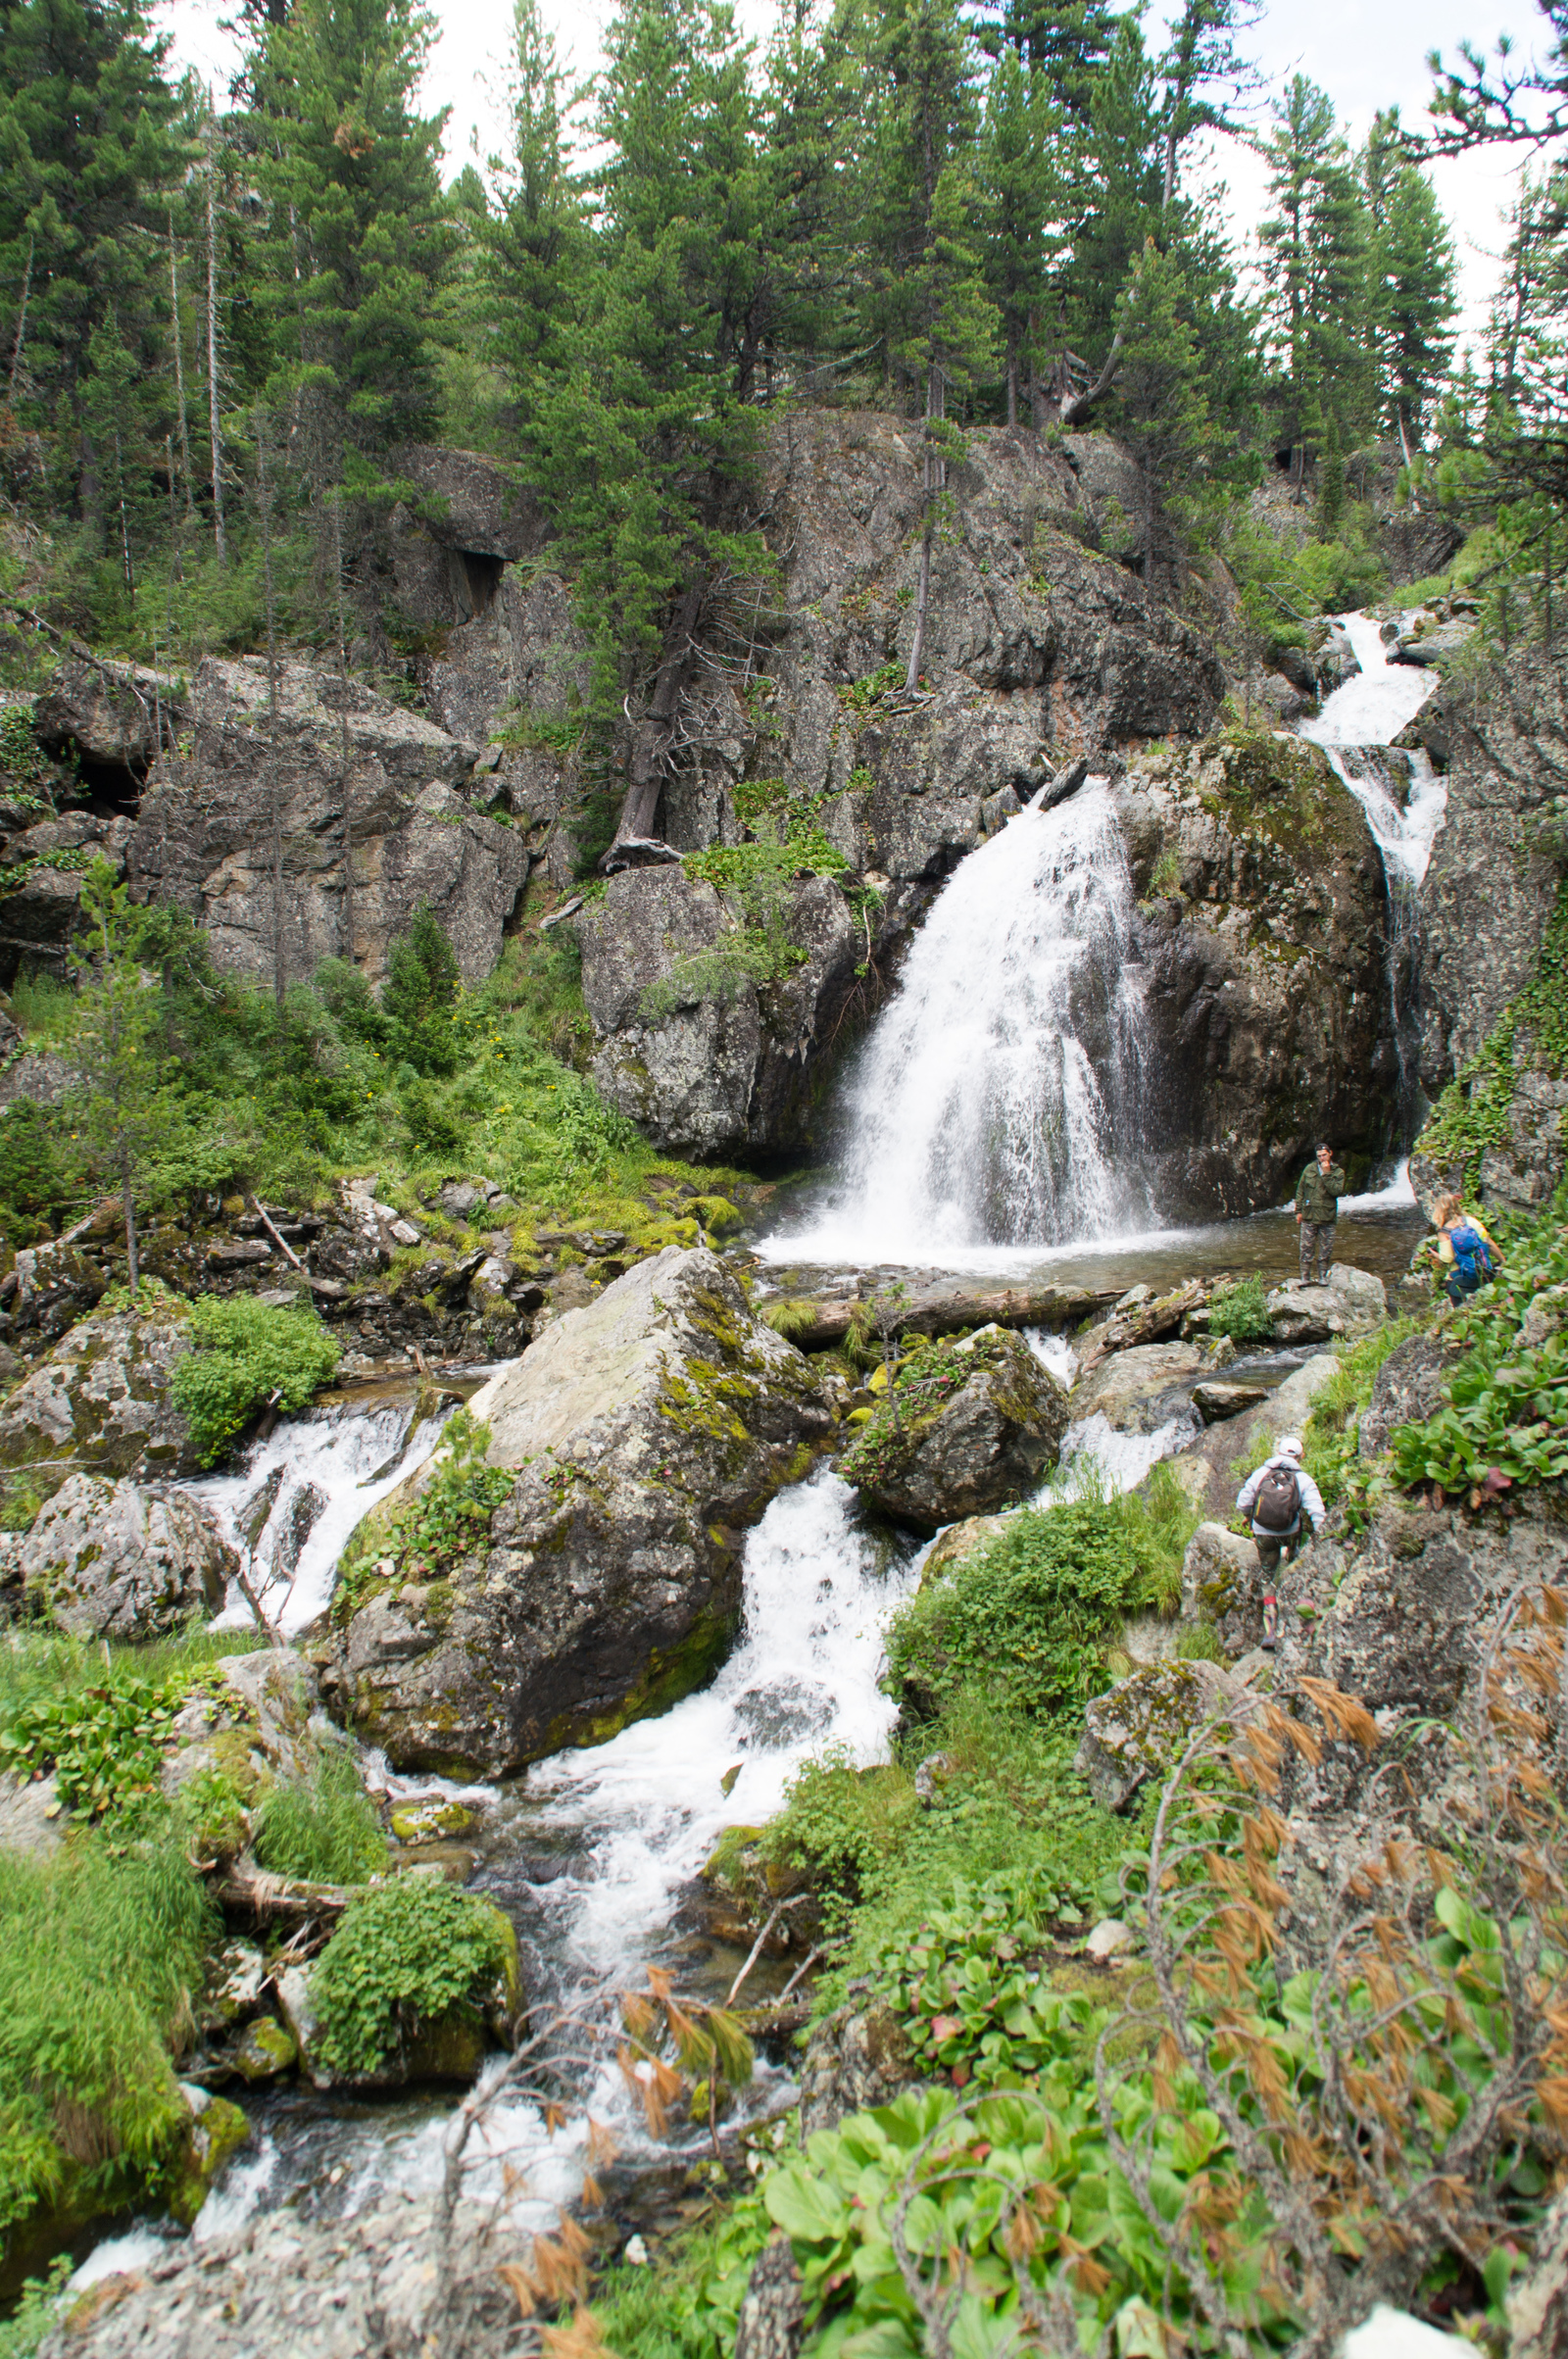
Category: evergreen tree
[1412,293]
[356,235]
[1065,43]
[537,248]
[1024,199]
[90,161]
[112,1042]
[1164,411]
[1205,76]
[1314,260]
[810,125]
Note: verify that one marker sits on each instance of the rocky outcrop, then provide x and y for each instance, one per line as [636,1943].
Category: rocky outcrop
[1261,917]
[119,1560]
[99,1403]
[858,2056]
[358,779]
[1408,1389]
[108,712]
[1212,1470]
[974,1437]
[645,1432]
[1222,1588]
[1138,1729]
[291,2286]
[1352,1302]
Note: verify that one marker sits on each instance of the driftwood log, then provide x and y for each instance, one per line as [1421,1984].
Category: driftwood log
[281,1899]
[947,1308]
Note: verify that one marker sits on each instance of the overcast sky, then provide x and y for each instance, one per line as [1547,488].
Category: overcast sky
[1365,54]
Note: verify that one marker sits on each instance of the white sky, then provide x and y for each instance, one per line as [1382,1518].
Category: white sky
[1365,53]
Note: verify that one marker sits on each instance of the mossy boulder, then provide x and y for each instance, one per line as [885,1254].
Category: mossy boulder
[978,1424]
[123,1560]
[262,2051]
[1138,1730]
[645,1432]
[218,2130]
[100,1402]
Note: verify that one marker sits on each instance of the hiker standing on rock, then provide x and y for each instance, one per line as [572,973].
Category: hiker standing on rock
[1275,1498]
[1317,1209]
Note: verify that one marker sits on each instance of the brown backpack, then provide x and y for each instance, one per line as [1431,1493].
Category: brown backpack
[1277,1504]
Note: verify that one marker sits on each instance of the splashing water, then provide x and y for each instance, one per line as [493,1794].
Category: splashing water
[997,1101]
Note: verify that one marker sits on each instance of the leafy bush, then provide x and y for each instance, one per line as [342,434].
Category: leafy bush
[838,1822]
[1286,589]
[419,994]
[1240,1311]
[101,1950]
[406,1953]
[321,1827]
[103,1744]
[1032,1615]
[244,1352]
[38,2310]
[969,1986]
[687,2305]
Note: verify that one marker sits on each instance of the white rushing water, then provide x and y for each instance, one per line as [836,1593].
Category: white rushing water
[997,1101]
[290,1509]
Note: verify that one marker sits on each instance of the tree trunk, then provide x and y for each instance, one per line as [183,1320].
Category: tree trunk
[650,735]
[21,329]
[1012,381]
[935,477]
[130,1212]
[343,737]
[179,363]
[214,423]
[273,801]
[124,521]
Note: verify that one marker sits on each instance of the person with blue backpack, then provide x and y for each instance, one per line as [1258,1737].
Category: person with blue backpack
[1466,1249]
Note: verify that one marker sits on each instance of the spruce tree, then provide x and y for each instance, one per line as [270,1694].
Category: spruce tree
[1206,77]
[356,235]
[1316,266]
[1412,288]
[1163,409]
[1024,197]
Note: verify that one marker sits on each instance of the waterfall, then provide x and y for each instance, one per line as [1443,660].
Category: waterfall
[1355,728]
[997,1101]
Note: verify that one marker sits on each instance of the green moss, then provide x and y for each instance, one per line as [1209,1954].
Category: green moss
[1475,1111]
[216,2134]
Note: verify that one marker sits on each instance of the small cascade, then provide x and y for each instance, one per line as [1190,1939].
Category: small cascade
[1404,802]
[290,1509]
[997,1102]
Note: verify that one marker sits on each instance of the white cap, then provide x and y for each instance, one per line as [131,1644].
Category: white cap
[1288,1447]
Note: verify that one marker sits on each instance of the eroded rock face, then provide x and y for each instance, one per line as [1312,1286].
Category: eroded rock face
[110,710]
[100,1402]
[970,1451]
[1261,916]
[645,1431]
[119,1560]
[206,842]
[1222,1588]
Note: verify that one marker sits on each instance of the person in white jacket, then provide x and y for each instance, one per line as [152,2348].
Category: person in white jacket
[1259,1497]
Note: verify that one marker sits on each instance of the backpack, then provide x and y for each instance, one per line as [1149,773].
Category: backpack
[1472,1257]
[1277,1504]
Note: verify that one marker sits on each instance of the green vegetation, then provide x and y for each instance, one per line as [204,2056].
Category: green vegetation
[1474,1110]
[243,1355]
[1034,1613]
[1240,1310]
[754,880]
[1505,1404]
[447,1518]
[1330,1441]
[322,1827]
[101,1952]
[405,1955]
[102,1744]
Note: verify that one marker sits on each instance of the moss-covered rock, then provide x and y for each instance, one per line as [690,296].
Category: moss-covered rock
[1139,1729]
[645,1432]
[262,2051]
[218,2130]
[970,1427]
[100,1402]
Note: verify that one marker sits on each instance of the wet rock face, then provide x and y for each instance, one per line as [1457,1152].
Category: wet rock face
[645,1431]
[1138,1390]
[1037,646]
[969,1451]
[100,1402]
[206,841]
[119,1560]
[1261,920]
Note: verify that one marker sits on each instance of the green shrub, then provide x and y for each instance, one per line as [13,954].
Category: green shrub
[685,2304]
[420,996]
[1329,1439]
[243,1353]
[1505,1404]
[406,1953]
[323,1828]
[38,2310]
[33,1175]
[1033,1614]
[103,1744]
[445,1520]
[1240,1311]
[839,1822]
[101,1949]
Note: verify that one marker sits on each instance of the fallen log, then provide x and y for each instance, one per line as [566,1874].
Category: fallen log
[943,1310]
[272,1900]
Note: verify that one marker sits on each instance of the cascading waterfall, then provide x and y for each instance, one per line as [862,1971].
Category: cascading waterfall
[1355,728]
[997,1101]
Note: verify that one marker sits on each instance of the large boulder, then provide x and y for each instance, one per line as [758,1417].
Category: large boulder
[1139,1391]
[1138,1729]
[1222,1588]
[1408,1389]
[356,776]
[857,2057]
[645,1432]
[1352,1302]
[110,712]
[100,1402]
[119,1560]
[972,1439]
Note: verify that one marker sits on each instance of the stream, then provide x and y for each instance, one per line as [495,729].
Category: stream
[995,1112]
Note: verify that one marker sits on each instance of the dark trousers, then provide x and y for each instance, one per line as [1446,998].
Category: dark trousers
[1272,1546]
[1458,1288]
[1317,1240]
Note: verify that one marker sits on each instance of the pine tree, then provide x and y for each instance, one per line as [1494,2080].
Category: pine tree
[1065,43]
[1314,259]
[356,235]
[1024,198]
[1412,286]
[112,1046]
[90,162]
[1162,407]
[1205,76]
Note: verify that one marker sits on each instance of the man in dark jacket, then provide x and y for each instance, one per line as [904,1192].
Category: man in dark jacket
[1317,1209]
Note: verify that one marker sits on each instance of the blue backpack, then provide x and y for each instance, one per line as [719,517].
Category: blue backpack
[1472,1257]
